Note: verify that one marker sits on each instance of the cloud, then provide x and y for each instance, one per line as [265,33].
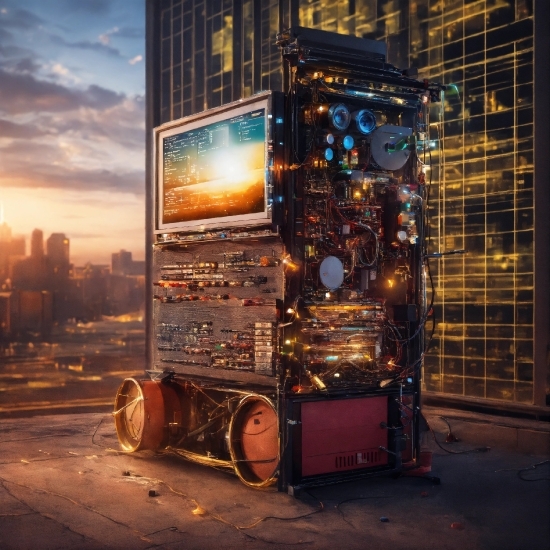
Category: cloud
[10,129]
[23,93]
[95,7]
[101,98]
[86,45]
[122,125]
[26,65]
[131,32]
[5,35]
[83,150]
[50,175]
[11,51]
[105,38]
[18,60]
[135,59]
[15,18]
[60,69]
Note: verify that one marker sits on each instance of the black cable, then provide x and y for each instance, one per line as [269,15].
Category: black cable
[466,451]
[358,498]
[97,428]
[533,467]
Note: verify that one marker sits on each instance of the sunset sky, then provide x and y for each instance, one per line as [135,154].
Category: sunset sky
[72,131]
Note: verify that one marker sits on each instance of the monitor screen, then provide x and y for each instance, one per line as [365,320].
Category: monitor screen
[212,170]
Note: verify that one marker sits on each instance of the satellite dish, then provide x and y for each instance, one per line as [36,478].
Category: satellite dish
[389,147]
[331,272]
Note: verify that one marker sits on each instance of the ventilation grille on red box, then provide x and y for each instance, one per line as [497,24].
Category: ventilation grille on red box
[366,457]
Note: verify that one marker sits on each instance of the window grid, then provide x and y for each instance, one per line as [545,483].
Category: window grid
[483,201]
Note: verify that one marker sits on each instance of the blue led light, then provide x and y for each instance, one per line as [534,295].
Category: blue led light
[329,154]
[365,121]
[339,116]
[348,142]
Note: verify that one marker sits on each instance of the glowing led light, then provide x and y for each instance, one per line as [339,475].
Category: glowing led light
[287,342]
[348,142]
[330,139]
[290,311]
[365,121]
[287,261]
[329,154]
[402,236]
[327,295]
[390,283]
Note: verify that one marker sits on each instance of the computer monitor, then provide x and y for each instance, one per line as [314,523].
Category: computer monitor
[212,169]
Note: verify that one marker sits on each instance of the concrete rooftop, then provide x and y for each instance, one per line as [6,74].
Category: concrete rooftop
[65,484]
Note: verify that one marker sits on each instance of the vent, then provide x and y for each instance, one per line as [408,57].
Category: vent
[356,459]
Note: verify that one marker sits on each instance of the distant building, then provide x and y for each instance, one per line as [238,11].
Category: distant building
[44,288]
[12,249]
[5,233]
[37,244]
[122,264]
[31,273]
[26,311]
[10,245]
[16,247]
[57,249]
[5,315]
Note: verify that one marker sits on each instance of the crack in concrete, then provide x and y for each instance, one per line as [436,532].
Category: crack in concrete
[3,482]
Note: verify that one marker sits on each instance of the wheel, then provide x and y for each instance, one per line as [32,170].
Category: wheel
[254,441]
[143,410]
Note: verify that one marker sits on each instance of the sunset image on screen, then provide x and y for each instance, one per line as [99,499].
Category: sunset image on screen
[217,171]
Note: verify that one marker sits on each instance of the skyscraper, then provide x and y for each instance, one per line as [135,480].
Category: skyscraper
[37,244]
[57,249]
[121,262]
[491,136]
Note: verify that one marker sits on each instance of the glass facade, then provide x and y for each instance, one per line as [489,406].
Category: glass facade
[214,51]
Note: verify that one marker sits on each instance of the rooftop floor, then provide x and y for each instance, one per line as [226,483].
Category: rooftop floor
[64,483]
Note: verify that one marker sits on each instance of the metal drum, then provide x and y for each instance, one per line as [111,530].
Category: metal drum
[254,441]
[143,411]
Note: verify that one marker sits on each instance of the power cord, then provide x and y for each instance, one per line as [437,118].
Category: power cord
[533,467]
[476,450]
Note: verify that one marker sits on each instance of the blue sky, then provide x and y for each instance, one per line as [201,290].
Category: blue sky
[72,131]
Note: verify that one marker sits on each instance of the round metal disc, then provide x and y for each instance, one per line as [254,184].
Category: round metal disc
[331,272]
[387,135]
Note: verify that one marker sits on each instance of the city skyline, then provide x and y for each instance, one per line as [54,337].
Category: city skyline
[58,238]
[72,123]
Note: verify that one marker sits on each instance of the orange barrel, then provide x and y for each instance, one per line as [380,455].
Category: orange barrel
[254,441]
[143,411]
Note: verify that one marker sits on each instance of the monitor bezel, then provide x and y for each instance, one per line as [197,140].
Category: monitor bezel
[193,122]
